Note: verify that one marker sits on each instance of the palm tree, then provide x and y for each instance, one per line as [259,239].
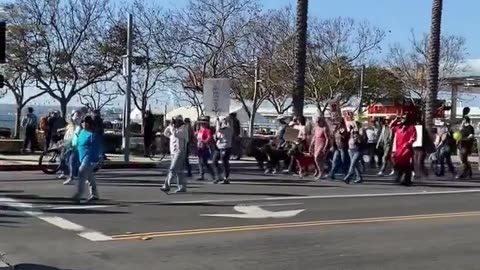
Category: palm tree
[298,94]
[433,63]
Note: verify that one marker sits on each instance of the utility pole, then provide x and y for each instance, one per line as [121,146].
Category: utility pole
[251,128]
[360,91]
[128,90]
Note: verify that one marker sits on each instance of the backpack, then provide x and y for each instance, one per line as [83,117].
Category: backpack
[44,123]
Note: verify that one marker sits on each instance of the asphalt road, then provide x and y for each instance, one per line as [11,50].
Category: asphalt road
[258,222]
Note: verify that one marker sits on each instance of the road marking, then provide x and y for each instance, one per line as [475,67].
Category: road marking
[4,265]
[139,236]
[255,211]
[310,197]
[31,210]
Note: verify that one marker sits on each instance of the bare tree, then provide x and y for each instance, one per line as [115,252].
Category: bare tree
[275,45]
[410,65]
[337,48]
[206,38]
[69,54]
[17,77]
[96,97]
[153,60]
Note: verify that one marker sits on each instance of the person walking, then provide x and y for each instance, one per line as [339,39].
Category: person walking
[204,148]
[66,150]
[99,129]
[385,141]
[190,142]
[355,156]
[445,145]
[237,144]
[371,132]
[148,132]
[223,150]
[89,152]
[465,146]
[30,124]
[340,150]
[405,135]
[420,152]
[73,160]
[178,149]
[319,145]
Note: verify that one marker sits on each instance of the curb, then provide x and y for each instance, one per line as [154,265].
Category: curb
[113,165]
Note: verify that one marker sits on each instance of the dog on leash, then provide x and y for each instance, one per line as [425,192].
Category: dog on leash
[304,161]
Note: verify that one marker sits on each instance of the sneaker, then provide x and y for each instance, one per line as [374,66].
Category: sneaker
[380,174]
[225,182]
[165,189]
[61,176]
[358,181]
[183,190]
[391,173]
[92,199]
[69,181]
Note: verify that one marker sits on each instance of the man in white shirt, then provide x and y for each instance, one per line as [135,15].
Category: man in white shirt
[178,148]
[372,134]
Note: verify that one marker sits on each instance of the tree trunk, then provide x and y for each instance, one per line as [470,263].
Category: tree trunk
[63,108]
[433,63]
[18,118]
[298,95]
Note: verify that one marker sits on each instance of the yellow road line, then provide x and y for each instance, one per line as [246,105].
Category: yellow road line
[139,236]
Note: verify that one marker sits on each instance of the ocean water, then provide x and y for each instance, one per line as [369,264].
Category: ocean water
[7,113]
[7,121]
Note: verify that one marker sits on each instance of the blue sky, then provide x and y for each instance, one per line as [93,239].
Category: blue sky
[396,17]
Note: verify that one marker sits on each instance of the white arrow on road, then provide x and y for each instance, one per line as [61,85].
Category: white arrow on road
[254,211]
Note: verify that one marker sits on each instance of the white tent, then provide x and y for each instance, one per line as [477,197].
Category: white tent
[186,112]
[136,116]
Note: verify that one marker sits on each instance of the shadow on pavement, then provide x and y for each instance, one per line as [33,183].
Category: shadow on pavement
[29,266]
[10,191]
[293,185]
[251,194]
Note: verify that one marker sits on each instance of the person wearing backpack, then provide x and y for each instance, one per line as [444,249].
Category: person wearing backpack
[445,145]
[30,123]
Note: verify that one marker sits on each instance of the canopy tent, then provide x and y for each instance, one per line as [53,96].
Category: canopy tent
[186,112]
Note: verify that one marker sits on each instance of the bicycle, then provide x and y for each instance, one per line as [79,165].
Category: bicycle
[50,161]
[159,148]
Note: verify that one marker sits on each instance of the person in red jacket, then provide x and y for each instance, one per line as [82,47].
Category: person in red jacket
[405,135]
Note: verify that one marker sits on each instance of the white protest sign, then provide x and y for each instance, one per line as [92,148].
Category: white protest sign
[216,96]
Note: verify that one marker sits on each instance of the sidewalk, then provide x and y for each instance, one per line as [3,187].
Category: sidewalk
[29,162]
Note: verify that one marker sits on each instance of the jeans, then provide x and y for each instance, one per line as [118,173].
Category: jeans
[73,163]
[187,162]
[467,168]
[354,164]
[224,155]
[202,164]
[30,138]
[86,173]
[371,148]
[176,171]
[419,161]
[64,160]
[386,159]
[446,157]
[339,155]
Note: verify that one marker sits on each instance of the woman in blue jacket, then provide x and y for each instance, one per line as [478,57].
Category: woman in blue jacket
[89,152]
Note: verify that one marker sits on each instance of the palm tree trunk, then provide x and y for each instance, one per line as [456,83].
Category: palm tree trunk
[433,63]
[298,95]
